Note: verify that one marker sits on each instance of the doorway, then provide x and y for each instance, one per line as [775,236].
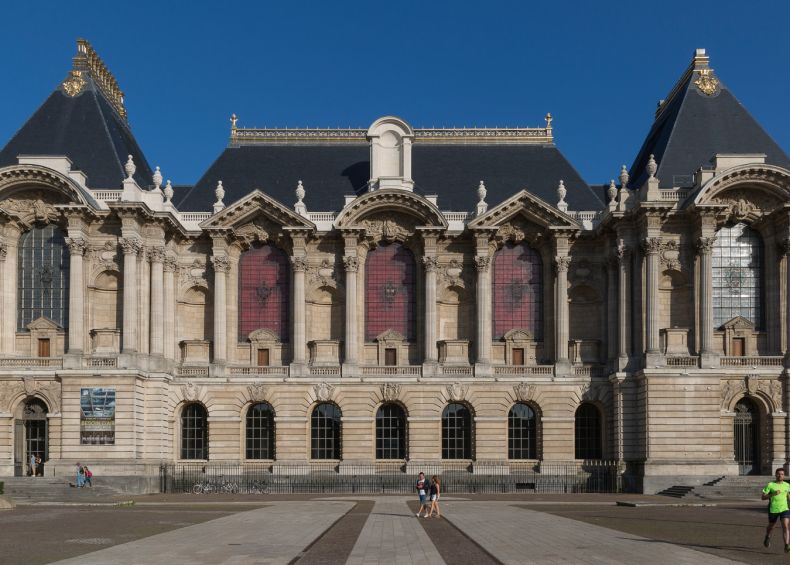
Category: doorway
[747,437]
[31,435]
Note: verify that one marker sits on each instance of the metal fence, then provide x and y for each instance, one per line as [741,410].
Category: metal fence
[389,478]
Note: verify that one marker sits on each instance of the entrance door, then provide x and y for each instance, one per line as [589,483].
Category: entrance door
[43,347]
[738,347]
[263,358]
[518,356]
[30,435]
[747,437]
[390,356]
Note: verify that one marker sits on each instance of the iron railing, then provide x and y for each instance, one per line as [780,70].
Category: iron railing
[392,477]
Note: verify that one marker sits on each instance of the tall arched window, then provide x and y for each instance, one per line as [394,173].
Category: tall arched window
[588,432]
[737,275]
[457,432]
[522,432]
[390,432]
[260,431]
[325,432]
[43,277]
[194,432]
[390,297]
[517,282]
[263,291]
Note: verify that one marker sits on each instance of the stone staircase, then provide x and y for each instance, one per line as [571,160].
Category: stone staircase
[47,489]
[747,487]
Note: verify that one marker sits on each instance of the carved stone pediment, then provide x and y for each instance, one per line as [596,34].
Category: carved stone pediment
[43,324]
[746,205]
[259,230]
[32,207]
[519,335]
[529,206]
[390,335]
[254,208]
[379,204]
[388,227]
[738,323]
[263,334]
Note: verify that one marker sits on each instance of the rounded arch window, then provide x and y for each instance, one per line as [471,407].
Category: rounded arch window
[588,432]
[737,275]
[390,295]
[325,432]
[264,291]
[457,432]
[390,432]
[517,290]
[259,436]
[522,436]
[194,432]
[43,277]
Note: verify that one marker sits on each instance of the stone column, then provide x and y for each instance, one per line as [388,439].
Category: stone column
[3,312]
[77,247]
[131,247]
[623,260]
[9,320]
[430,265]
[652,246]
[169,308]
[483,307]
[157,258]
[617,400]
[351,266]
[561,263]
[705,249]
[221,266]
[299,265]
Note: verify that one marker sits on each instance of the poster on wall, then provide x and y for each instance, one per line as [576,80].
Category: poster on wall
[97,416]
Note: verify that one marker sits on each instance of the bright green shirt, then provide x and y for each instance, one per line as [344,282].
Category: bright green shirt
[777,503]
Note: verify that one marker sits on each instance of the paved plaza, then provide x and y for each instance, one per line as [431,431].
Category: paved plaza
[379,530]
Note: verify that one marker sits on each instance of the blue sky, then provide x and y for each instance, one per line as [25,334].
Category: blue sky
[598,67]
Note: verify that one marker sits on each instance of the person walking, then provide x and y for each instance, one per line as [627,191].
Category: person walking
[435,489]
[32,472]
[422,491]
[777,493]
[39,466]
[88,476]
[80,472]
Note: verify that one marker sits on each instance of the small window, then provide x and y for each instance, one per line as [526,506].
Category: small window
[518,356]
[390,356]
[43,347]
[263,358]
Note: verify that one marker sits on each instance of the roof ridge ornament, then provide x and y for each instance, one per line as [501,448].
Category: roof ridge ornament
[219,192]
[157,178]
[562,206]
[168,192]
[88,60]
[612,194]
[300,207]
[652,166]
[130,168]
[482,205]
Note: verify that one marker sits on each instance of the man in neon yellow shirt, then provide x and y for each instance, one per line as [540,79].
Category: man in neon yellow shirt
[777,493]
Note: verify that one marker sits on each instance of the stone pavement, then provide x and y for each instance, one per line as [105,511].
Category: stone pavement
[271,535]
[393,535]
[287,532]
[521,536]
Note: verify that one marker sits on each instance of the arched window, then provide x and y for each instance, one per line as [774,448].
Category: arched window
[194,432]
[325,432]
[588,430]
[457,432]
[390,432]
[517,295]
[263,291]
[260,431]
[390,297]
[43,277]
[737,275]
[522,432]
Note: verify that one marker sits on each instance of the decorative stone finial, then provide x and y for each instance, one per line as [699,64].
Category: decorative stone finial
[612,193]
[300,207]
[233,120]
[168,191]
[219,192]
[623,176]
[548,120]
[561,193]
[652,166]
[481,191]
[157,179]
[130,167]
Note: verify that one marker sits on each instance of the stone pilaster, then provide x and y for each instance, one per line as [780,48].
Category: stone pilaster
[651,248]
[9,320]
[156,256]
[221,265]
[299,266]
[77,246]
[705,250]
[617,421]
[623,261]
[561,264]
[351,267]
[169,308]
[131,247]
[430,265]
[3,312]
[483,306]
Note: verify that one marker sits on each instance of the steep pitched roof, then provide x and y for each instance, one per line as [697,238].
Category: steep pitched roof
[331,169]
[85,120]
[700,118]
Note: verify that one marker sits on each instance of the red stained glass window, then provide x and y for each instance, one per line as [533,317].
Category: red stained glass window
[263,291]
[517,285]
[390,296]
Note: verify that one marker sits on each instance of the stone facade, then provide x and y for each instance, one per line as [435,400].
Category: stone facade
[627,319]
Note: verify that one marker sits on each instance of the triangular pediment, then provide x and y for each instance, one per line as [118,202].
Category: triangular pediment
[390,335]
[263,334]
[256,204]
[528,206]
[43,324]
[738,323]
[519,335]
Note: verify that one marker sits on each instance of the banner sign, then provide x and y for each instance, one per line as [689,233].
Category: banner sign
[97,416]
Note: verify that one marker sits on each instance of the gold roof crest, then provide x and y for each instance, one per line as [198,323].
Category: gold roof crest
[87,62]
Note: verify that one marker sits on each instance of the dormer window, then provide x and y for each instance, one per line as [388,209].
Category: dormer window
[390,154]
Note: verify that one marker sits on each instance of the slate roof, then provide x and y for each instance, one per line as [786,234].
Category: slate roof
[691,126]
[86,128]
[331,170]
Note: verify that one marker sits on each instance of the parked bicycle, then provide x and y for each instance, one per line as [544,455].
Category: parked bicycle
[215,487]
[258,487]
